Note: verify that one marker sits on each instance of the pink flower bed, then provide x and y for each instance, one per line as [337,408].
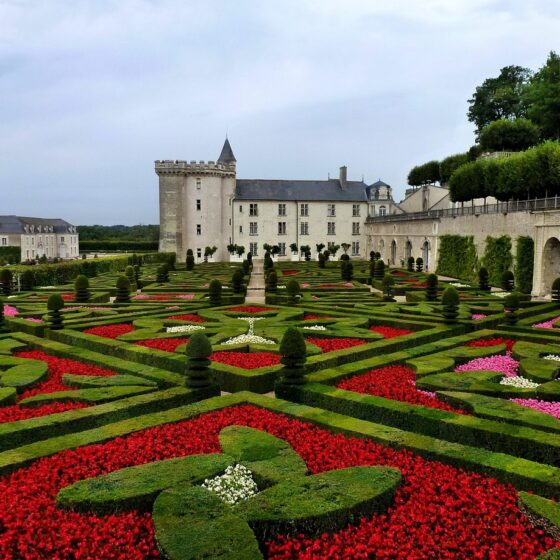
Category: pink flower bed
[546,324]
[10,311]
[552,408]
[500,363]
[478,316]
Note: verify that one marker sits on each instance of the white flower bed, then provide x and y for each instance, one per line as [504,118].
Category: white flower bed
[554,357]
[459,285]
[519,381]
[250,337]
[234,486]
[184,328]
[500,294]
[315,328]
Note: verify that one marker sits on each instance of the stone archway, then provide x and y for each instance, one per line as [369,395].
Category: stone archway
[408,250]
[550,263]
[426,254]
[393,252]
[382,248]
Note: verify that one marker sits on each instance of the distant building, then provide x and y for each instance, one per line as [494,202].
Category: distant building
[39,236]
[205,204]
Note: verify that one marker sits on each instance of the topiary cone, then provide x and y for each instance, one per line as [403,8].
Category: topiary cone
[450,300]
[432,287]
[215,292]
[81,289]
[294,355]
[198,352]
[123,290]
[54,304]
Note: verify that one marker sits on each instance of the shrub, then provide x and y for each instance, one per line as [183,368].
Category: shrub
[246,266]
[326,254]
[191,254]
[379,270]
[507,280]
[250,258]
[215,292]
[388,283]
[419,264]
[347,270]
[457,256]
[511,305]
[81,289]
[293,290]
[524,257]
[450,300]
[129,273]
[321,260]
[432,287]
[410,264]
[293,352]
[272,281]
[372,255]
[27,280]
[372,270]
[497,257]
[344,257]
[137,280]
[198,352]
[162,274]
[54,304]
[123,290]
[555,291]
[189,263]
[170,261]
[268,262]
[483,279]
[237,281]
[6,281]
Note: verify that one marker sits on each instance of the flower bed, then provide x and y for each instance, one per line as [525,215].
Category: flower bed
[495,341]
[192,317]
[110,331]
[164,297]
[547,324]
[552,408]
[249,309]
[332,344]
[438,512]
[396,383]
[289,272]
[314,317]
[505,365]
[389,332]
[165,344]
[336,286]
[246,360]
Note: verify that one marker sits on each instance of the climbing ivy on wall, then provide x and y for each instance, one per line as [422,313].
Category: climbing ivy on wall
[497,257]
[457,257]
[524,255]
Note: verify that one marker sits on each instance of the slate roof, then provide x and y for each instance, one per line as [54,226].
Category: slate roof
[278,189]
[226,156]
[15,224]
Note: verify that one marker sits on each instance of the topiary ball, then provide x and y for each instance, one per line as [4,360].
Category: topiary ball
[198,346]
[450,297]
[55,302]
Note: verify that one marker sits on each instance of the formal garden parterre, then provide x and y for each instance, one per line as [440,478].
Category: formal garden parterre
[148,411]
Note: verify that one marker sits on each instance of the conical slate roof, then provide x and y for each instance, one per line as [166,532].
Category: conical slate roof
[227,154]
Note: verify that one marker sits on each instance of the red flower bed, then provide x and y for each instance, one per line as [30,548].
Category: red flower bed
[249,309]
[192,317]
[332,344]
[495,341]
[289,272]
[438,512]
[396,383]
[68,296]
[389,332]
[110,331]
[165,344]
[53,384]
[400,273]
[336,286]
[246,360]
[313,317]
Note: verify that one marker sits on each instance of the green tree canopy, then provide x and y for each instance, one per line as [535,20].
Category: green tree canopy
[509,135]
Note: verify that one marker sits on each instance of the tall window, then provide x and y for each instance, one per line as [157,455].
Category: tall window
[281,228]
[282,247]
[331,210]
[198,183]
[199,252]
[253,230]
[304,228]
[241,208]
[355,228]
[198,229]
[281,209]
[355,247]
[4,241]
[240,229]
[382,211]
[198,204]
[355,209]
[253,248]
[253,209]
[330,244]
[331,228]
[304,210]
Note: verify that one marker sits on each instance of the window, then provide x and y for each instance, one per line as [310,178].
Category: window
[304,228]
[253,230]
[198,183]
[241,207]
[4,241]
[198,229]
[281,209]
[331,228]
[198,204]
[253,249]
[253,209]
[281,228]
[240,229]
[355,247]
[382,211]
[199,253]
[33,240]
[282,247]
[330,244]
[304,210]
[331,210]
[355,209]
[355,228]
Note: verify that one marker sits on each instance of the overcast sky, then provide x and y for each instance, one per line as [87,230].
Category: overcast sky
[92,92]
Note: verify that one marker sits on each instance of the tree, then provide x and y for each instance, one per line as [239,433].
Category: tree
[189,262]
[431,287]
[129,273]
[509,135]
[272,281]
[543,98]
[6,281]
[450,301]
[499,98]
[81,289]
[239,249]
[333,249]
[27,280]
[123,290]
[425,174]
[321,260]
[345,247]
[347,270]
[293,247]
[275,250]
[508,281]
[137,279]
[293,290]
[208,252]
[55,304]
[215,292]
[306,250]
[198,352]
[231,248]
[419,264]
[448,165]
[319,247]
[294,354]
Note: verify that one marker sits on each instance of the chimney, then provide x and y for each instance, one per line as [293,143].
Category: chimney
[342,177]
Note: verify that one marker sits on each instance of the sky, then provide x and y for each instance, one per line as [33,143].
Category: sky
[92,92]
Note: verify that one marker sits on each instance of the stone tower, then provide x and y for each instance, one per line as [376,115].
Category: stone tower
[195,201]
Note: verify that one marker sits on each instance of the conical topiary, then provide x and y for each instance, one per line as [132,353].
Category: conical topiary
[137,273]
[507,281]
[555,291]
[419,264]
[189,262]
[237,281]
[162,274]
[215,292]
[379,270]
[246,266]
[293,291]
[6,281]
[123,290]
[483,279]
[294,354]
[410,264]
[81,289]
[272,282]
[511,305]
[321,260]
[347,270]
[431,287]
[450,301]
[54,305]
[129,273]
[27,280]
[198,352]
[388,284]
